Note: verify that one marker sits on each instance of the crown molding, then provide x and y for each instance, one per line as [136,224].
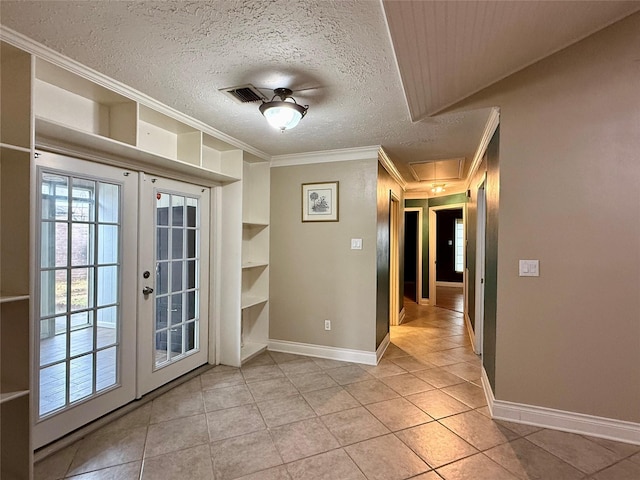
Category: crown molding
[489,129]
[389,166]
[45,53]
[326,156]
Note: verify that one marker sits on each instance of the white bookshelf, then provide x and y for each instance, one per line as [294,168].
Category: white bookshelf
[74,113]
[54,104]
[15,323]
[255,259]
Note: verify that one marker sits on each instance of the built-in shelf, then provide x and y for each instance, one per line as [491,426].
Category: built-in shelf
[15,147]
[248,265]
[53,135]
[168,137]
[255,224]
[16,163]
[13,298]
[250,350]
[7,393]
[252,300]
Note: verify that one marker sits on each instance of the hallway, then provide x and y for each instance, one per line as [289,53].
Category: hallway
[420,414]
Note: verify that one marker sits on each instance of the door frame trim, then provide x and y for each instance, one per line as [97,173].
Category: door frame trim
[394,258]
[481,227]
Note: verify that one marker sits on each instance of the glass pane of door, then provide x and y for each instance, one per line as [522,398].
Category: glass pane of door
[177,286]
[80,276]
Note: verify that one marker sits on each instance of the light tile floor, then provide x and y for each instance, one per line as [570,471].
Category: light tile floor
[419,414]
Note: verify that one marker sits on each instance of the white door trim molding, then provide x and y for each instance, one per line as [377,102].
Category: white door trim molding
[481,227]
[395,222]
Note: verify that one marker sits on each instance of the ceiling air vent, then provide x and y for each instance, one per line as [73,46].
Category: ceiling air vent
[244,93]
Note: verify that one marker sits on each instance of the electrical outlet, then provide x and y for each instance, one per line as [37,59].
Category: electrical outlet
[327,324]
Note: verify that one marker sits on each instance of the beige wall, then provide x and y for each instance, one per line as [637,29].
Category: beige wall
[570,197]
[314,274]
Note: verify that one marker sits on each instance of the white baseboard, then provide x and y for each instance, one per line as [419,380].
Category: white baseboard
[472,334]
[424,301]
[450,284]
[322,351]
[609,428]
[401,316]
[488,391]
[383,346]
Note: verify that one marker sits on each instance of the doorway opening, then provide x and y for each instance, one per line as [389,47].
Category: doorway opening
[446,256]
[413,255]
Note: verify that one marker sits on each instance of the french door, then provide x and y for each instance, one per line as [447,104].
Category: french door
[121,288]
[86,292]
[174,279]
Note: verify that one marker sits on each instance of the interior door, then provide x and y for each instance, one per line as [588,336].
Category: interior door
[84,311]
[174,280]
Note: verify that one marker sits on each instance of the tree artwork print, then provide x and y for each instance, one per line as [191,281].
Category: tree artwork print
[320,202]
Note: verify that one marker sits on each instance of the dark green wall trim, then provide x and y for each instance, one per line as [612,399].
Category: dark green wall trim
[448,200]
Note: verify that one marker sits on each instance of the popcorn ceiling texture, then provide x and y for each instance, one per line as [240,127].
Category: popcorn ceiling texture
[336,56]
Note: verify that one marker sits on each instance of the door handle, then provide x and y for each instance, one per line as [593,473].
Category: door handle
[147,291]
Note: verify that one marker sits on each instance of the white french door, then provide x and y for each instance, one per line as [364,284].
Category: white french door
[174,280]
[122,288]
[85,292]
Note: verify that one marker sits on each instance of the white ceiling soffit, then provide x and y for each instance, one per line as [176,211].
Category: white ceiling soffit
[449,50]
[438,170]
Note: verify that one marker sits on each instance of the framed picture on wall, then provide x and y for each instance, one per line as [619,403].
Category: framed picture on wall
[320,202]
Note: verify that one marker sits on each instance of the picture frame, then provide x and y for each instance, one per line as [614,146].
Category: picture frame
[320,202]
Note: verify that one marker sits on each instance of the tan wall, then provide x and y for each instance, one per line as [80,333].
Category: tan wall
[314,274]
[570,197]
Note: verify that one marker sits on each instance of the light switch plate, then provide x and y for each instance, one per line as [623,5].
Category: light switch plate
[529,268]
[356,244]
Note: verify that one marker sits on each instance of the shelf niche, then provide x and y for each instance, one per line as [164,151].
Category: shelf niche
[68,99]
[168,137]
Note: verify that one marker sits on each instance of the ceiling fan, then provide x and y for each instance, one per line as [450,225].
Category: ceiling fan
[282,111]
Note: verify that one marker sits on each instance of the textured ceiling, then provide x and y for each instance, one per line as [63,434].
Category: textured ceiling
[337,56]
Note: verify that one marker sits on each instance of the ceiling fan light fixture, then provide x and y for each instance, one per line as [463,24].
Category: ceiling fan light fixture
[283,114]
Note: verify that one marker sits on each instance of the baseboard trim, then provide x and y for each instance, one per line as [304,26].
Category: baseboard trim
[383,346]
[450,284]
[602,427]
[424,301]
[488,391]
[322,351]
[401,316]
[470,332]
